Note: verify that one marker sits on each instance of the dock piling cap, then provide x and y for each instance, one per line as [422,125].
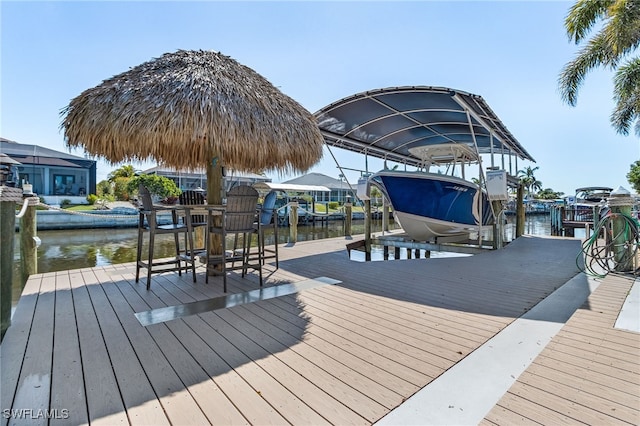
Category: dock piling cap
[620,197]
[620,192]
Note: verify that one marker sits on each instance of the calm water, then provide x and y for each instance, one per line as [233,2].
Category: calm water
[73,249]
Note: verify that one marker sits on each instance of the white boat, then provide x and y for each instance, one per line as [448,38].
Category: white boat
[580,207]
[432,205]
[590,195]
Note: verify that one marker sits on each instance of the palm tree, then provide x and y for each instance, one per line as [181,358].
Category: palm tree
[528,179]
[126,171]
[609,47]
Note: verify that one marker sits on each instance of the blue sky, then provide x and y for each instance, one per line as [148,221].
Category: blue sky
[508,52]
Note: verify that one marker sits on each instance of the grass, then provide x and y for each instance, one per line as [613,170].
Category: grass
[80,207]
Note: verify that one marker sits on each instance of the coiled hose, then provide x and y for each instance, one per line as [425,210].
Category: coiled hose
[601,252]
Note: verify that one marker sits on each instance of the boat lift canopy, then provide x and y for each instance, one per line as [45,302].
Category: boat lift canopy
[388,123]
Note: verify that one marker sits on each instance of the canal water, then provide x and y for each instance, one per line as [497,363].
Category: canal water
[82,248]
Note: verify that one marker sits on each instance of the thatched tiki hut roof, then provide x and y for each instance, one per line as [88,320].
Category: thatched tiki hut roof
[189,108]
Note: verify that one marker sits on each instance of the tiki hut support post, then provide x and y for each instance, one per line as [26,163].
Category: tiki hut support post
[215,188]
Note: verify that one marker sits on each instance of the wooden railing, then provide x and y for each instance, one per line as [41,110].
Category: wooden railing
[565,219]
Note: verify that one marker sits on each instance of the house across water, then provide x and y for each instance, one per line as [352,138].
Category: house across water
[54,175]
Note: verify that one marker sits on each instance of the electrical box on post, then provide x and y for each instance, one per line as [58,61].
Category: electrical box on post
[497,185]
[363,188]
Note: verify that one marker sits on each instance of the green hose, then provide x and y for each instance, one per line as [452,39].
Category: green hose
[601,252]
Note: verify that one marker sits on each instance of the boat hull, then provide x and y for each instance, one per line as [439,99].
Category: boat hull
[429,205]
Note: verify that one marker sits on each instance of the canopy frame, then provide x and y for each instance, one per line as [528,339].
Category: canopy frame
[386,123]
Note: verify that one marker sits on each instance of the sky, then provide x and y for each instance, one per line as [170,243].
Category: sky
[508,52]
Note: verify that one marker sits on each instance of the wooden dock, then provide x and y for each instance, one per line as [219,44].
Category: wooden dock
[332,354]
[588,374]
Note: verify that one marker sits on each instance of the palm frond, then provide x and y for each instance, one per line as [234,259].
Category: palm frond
[596,53]
[627,97]
[625,114]
[627,79]
[583,15]
[622,29]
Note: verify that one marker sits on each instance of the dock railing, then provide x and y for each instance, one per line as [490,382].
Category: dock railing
[565,219]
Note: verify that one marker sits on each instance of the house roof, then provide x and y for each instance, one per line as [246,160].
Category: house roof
[387,123]
[47,161]
[29,154]
[318,179]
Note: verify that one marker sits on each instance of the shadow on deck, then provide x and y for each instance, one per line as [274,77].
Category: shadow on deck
[337,354]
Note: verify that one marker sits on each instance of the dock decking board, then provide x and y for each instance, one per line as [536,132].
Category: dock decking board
[34,385]
[67,384]
[589,372]
[140,401]
[386,370]
[344,354]
[103,398]
[12,356]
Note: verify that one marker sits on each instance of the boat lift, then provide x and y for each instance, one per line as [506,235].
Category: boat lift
[389,123]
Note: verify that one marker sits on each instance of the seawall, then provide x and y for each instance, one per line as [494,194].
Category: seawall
[116,218]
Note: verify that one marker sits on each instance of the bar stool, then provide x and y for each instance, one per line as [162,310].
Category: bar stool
[267,219]
[237,220]
[148,223]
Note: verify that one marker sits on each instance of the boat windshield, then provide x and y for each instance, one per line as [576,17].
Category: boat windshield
[449,155]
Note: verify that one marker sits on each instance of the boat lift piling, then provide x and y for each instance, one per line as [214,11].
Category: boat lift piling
[620,203]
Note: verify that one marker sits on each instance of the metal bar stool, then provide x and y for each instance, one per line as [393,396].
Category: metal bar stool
[148,223]
[237,220]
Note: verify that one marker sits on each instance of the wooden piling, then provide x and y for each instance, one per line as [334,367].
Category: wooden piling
[28,244]
[348,211]
[555,221]
[498,226]
[7,232]
[367,229]
[8,198]
[520,211]
[293,222]
[620,203]
[385,215]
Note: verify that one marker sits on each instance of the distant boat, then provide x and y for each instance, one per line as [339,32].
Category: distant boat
[431,205]
[580,207]
[590,195]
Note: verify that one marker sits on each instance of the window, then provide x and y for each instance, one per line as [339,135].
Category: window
[63,184]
